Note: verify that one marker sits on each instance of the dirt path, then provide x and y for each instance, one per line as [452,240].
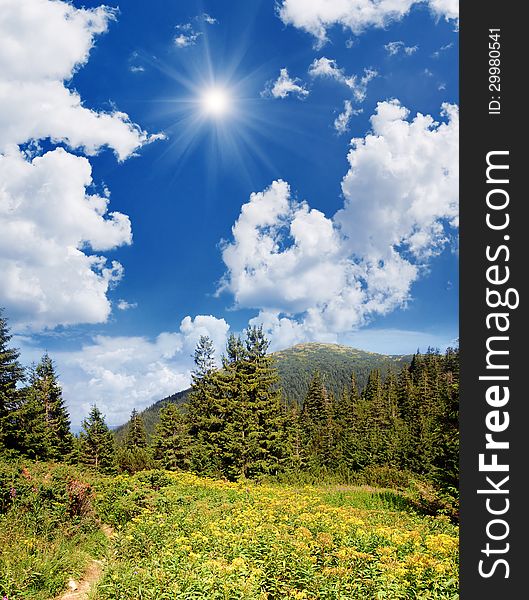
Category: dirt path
[80,590]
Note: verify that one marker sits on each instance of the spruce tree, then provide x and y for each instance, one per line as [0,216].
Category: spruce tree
[134,455]
[445,462]
[46,392]
[320,430]
[11,375]
[251,437]
[346,422]
[136,436]
[204,410]
[171,440]
[265,441]
[96,443]
[32,435]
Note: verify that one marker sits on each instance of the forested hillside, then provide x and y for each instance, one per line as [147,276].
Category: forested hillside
[295,367]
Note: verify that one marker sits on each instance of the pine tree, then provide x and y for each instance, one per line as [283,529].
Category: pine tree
[250,439]
[11,375]
[136,436]
[96,443]
[134,455]
[295,455]
[204,410]
[266,441]
[445,462]
[32,435]
[171,441]
[46,392]
[320,430]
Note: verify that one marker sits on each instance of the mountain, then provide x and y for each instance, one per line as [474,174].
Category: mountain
[296,367]
[336,363]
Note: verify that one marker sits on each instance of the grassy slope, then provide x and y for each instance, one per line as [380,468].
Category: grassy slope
[296,366]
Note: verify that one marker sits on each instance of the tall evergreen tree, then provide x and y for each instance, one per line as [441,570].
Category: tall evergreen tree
[11,375]
[46,392]
[32,434]
[204,410]
[134,455]
[171,440]
[320,429]
[445,461]
[96,443]
[251,437]
[346,422]
[136,436]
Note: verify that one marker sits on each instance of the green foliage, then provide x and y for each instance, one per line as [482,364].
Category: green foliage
[234,414]
[11,375]
[136,436]
[48,528]
[171,442]
[96,443]
[47,423]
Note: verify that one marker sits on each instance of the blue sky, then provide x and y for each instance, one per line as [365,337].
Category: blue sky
[352,243]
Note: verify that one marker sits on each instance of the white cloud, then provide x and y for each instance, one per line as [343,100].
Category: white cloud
[313,277]
[317,16]
[326,67]
[42,44]
[285,85]
[442,49]
[341,123]
[188,35]
[124,305]
[445,9]
[50,224]
[393,48]
[125,372]
[209,19]
[183,40]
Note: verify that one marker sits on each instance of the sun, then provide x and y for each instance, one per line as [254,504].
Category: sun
[215,102]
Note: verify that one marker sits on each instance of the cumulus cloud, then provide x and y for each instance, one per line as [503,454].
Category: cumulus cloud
[393,48]
[341,123]
[317,16]
[125,372]
[314,277]
[51,227]
[327,67]
[42,44]
[48,222]
[284,86]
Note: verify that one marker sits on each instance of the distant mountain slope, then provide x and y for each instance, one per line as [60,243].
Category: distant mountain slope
[336,363]
[296,366]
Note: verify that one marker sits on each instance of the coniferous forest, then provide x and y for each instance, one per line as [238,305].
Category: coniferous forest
[237,424]
[397,436]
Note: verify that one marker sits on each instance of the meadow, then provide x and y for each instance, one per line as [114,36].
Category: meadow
[180,536]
